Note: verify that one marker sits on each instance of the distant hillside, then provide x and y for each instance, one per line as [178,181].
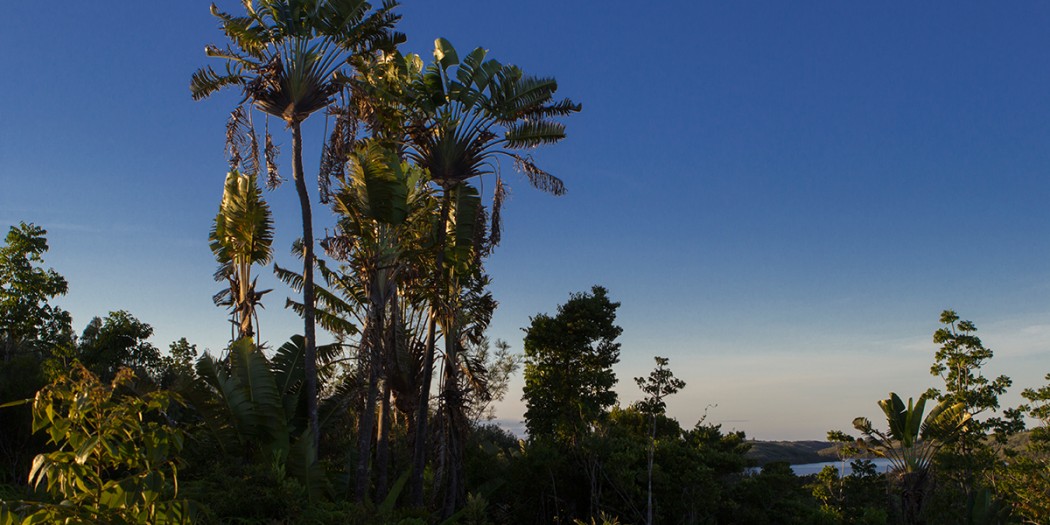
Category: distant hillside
[794,452]
[801,452]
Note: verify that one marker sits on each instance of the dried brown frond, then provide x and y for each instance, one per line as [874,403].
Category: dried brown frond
[233,150]
[273,178]
[337,246]
[266,81]
[242,144]
[340,143]
[498,196]
[251,164]
[539,179]
[477,376]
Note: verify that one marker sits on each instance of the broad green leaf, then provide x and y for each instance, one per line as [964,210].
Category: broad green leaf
[445,53]
[86,449]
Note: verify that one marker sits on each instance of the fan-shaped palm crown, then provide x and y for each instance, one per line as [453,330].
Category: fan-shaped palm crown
[912,440]
[471,111]
[285,53]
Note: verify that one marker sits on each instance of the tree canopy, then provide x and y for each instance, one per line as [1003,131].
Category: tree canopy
[27,319]
[568,365]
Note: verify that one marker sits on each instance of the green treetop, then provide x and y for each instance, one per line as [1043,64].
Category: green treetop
[26,318]
[568,365]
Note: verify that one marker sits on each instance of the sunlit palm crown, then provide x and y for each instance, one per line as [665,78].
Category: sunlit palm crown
[285,54]
[471,112]
[243,228]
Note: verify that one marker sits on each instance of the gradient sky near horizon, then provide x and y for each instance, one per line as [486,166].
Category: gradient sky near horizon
[782,195]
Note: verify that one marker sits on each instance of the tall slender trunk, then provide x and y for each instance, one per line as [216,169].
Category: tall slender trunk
[419,458]
[367,419]
[455,487]
[383,444]
[244,306]
[652,452]
[419,441]
[310,339]
[383,433]
[452,420]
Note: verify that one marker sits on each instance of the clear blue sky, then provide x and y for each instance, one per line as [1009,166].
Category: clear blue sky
[783,196]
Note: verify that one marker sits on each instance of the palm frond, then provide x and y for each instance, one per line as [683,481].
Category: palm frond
[560,108]
[532,133]
[206,81]
[243,31]
[304,466]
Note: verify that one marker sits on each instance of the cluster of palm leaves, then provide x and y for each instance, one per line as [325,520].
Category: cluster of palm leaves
[242,236]
[412,231]
[911,442]
[253,407]
[284,55]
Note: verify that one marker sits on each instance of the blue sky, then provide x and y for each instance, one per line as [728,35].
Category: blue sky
[783,196]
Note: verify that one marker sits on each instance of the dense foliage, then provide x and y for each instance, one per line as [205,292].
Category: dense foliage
[105,427]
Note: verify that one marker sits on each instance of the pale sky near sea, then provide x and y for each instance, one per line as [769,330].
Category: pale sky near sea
[782,195]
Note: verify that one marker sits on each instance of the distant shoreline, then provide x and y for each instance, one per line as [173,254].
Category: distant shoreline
[793,452]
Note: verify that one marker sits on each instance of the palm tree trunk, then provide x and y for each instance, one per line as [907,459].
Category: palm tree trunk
[9,347]
[309,336]
[366,431]
[383,434]
[419,445]
[452,450]
[453,443]
[383,445]
[652,452]
[419,458]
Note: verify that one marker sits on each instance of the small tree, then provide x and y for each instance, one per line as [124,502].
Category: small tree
[115,460]
[568,382]
[32,331]
[1025,477]
[119,341]
[26,317]
[660,384]
[847,447]
[568,366]
[242,236]
[958,362]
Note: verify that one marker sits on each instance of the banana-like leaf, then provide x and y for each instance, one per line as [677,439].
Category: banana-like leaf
[463,242]
[445,53]
[896,418]
[288,364]
[331,310]
[377,172]
[471,71]
[234,404]
[945,421]
[302,464]
[247,397]
[289,371]
[252,370]
[387,505]
[915,418]
[207,81]
[243,228]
